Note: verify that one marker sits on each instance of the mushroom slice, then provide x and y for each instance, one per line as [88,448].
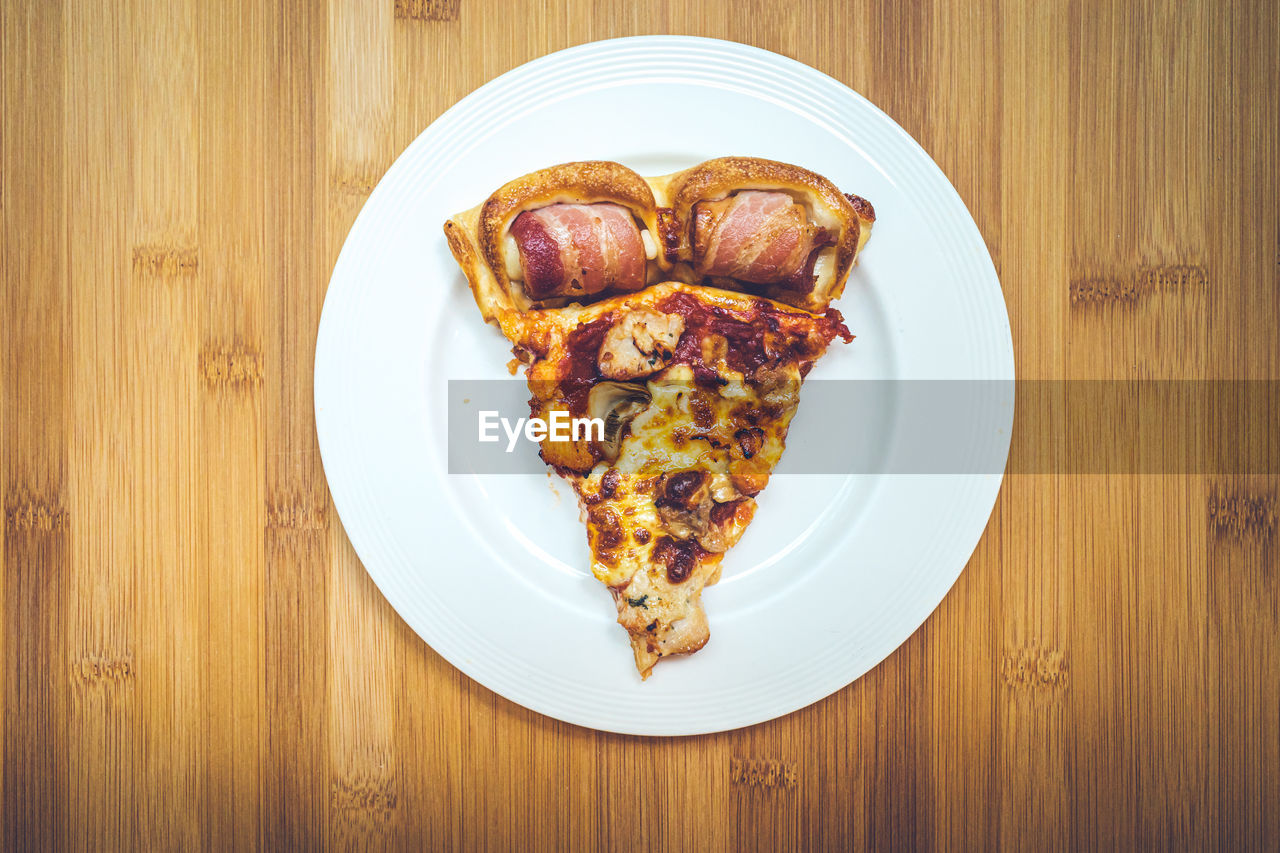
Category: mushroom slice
[617,404]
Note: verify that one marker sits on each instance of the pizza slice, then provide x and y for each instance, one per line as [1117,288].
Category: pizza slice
[692,383]
[695,390]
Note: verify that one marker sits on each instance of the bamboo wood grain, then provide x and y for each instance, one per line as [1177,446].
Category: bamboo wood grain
[191,656]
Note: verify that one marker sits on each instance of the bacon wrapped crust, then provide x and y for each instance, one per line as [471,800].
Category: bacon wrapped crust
[578,250]
[478,237]
[803,253]
[757,236]
[735,223]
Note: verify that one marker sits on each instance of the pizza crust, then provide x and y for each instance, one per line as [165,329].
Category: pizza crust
[848,219]
[476,236]
[664,206]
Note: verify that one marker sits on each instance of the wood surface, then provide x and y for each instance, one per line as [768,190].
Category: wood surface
[192,656]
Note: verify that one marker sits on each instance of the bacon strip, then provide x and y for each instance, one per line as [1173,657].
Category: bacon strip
[579,249]
[756,236]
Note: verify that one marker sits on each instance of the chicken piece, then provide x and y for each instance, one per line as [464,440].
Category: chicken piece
[640,344]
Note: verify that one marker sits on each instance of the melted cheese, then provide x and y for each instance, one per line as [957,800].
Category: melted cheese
[650,246]
[824,267]
[511,258]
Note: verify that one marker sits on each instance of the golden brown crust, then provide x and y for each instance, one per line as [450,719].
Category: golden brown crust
[848,222]
[491,297]
[476,236]
[664,205]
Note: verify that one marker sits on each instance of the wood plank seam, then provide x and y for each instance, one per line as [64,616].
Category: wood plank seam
[763,773]
[364,797]
[1240,514]
[1143,282]
[1034,668]
[100,669]
[166,261]
[294,512]
[427,10]
[355,183]
[33,513]
[233,366]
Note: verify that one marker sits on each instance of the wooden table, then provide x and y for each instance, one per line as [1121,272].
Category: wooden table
[193,655]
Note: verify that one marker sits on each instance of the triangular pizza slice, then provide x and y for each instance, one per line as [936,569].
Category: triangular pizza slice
[695,389]
[689,385]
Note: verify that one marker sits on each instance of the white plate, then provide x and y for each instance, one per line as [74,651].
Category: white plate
[835,571]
